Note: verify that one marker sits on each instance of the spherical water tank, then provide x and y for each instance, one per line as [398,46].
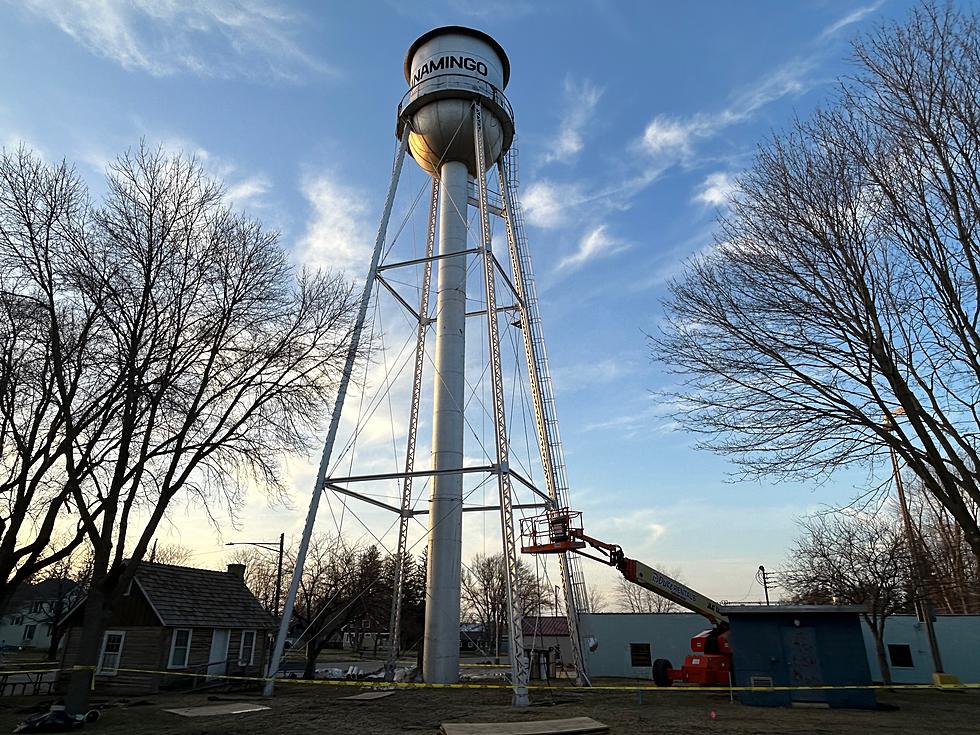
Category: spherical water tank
[447,69]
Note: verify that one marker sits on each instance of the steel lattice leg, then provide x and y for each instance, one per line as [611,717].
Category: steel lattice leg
[540,421]
[518,662]
[395,622]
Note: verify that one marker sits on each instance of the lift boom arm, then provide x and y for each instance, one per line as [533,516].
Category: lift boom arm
[560,530]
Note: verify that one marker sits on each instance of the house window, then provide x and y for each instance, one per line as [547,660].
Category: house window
[640,655]
[246,652]
[900,655]
[29,632]
[19,620]
[112,646]
[37,607]
[180,648]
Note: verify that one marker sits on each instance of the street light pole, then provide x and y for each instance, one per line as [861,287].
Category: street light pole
[269,546]
[922,610]
[282,542]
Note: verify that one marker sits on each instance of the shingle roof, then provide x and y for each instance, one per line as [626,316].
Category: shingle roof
[201,598]
[545,625]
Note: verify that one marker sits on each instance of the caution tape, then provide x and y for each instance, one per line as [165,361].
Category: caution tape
[550,687]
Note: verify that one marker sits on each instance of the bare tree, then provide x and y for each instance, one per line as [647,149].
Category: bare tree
[594,599]
[483,590]
[206,360]
[950,572]
[169,554]
[635,599]
[843,285]
[341,587]
[848,558]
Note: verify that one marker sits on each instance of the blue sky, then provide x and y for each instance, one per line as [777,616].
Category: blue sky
[633,118]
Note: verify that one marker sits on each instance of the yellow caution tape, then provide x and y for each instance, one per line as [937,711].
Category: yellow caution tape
[551,687]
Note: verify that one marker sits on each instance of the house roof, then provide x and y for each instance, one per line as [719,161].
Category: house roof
[545,625]
[200,598]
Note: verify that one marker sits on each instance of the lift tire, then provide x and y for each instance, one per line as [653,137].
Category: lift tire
[661,672]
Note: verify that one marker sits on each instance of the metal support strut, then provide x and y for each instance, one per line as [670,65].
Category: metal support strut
[349,365]
[540,382]
[519,666]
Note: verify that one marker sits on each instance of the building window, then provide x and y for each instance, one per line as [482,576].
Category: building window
[900,655]
[37,607]
[640,655]
[29,632]
[19,620]
[180,648]
[112,646]
[246,652]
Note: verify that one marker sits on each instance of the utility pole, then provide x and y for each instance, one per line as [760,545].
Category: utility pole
[763,579]
[922,607]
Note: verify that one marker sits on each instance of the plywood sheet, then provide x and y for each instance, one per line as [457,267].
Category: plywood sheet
[211,710]
[570,726]
[368,696]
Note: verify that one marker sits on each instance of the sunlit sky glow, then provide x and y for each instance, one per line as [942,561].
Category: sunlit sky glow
[634,120]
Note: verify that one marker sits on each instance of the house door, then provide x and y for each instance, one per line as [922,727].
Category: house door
[803,662]
[218,659]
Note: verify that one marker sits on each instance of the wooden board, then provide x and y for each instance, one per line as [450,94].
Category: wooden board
[571,726]
[368,696]
[211,710]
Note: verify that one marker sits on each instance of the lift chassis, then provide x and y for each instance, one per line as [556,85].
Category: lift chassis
[710,661]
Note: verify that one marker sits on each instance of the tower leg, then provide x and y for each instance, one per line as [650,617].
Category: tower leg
[515,619]
[440,662]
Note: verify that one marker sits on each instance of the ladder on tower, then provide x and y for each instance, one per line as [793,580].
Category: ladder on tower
[579,592]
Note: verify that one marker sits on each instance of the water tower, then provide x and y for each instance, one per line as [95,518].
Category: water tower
[457,125]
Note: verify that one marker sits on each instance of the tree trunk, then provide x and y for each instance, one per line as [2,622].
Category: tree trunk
[90,644]
[313,650]
[886,672]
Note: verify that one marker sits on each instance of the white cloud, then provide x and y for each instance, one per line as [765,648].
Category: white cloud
[596,243]
[581,100]
[573,378]
[548,204]
[337,236]
[218,38]
[715,190]
[853,17]
[248,192]
[668,136]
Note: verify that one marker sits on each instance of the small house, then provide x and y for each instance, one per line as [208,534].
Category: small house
[177,627]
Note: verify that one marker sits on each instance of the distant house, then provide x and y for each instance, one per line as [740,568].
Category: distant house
[174,621]
[30,616]
[548,632]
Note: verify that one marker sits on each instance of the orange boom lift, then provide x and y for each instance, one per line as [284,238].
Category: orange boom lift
[710,661]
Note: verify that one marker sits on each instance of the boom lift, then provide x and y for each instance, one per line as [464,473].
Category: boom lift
[710,661]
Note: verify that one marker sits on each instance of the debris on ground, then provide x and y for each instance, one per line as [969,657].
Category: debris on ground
[57,719]
[570,726]
[211,710]
[369,696]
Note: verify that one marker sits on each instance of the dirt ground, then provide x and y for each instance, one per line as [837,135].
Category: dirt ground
[302,710]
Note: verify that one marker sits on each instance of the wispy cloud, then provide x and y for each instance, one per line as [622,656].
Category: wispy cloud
[715,190]
[674,138]
[548,204]
[219,38]
[573,378]
[597,243]
[581,99]
[855,16]
[336,236]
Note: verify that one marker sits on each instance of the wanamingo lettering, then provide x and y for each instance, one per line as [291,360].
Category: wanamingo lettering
[445,63]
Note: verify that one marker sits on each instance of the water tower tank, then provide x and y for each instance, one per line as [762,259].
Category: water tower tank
[446,69]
